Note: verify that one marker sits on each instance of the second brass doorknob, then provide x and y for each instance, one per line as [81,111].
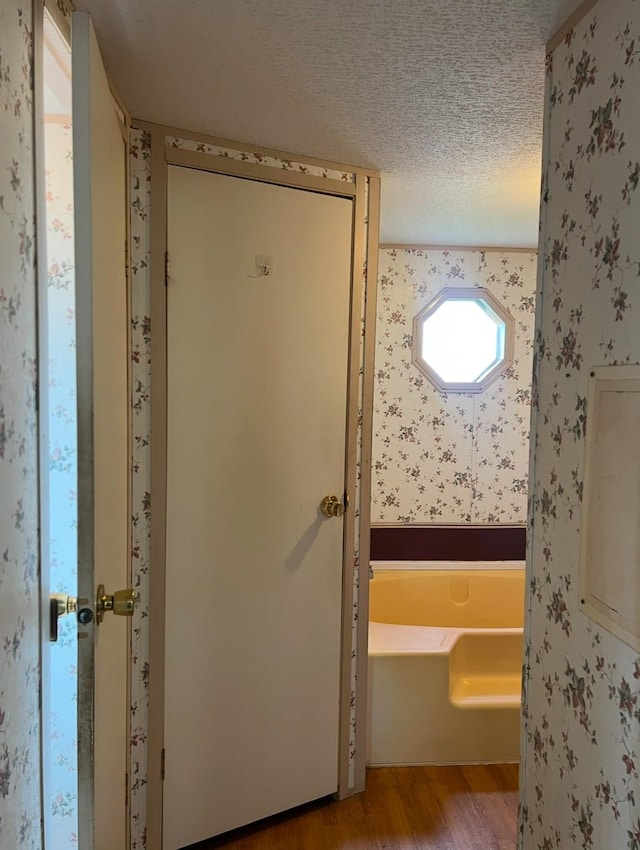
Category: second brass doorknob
[331,506]
[122,602]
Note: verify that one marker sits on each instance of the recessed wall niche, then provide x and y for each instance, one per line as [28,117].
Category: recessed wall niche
[610,538]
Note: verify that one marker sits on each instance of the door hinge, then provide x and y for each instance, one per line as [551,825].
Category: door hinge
[166,268]
[127,269]
[162,763]
[126,790]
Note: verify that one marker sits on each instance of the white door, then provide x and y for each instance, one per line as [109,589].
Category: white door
[103,456]
[257,385]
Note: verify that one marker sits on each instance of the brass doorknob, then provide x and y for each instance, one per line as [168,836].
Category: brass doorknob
[331,506]
[65,604]
[121,603]
[61,605]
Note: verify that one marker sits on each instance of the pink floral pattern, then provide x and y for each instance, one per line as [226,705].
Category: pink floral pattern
[20,786]
[580,785]
[450,457]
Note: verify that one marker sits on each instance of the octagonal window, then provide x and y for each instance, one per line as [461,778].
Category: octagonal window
[463,339]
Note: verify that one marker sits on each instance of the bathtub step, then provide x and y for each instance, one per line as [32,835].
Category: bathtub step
[486,691]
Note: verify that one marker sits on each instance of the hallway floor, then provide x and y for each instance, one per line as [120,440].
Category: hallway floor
[404,808]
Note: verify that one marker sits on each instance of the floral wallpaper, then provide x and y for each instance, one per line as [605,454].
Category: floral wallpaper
[581,757]
[141,340]
[260,159]
[450,457]
[62,478]
[355,708]
[140,218]
[19,580]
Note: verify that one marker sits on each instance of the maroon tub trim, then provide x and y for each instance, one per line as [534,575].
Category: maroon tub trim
[448,543]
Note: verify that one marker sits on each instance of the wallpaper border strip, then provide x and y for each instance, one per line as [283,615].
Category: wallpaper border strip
[284,157]
[484,249]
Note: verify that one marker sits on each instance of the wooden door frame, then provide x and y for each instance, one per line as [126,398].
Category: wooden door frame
[363,188]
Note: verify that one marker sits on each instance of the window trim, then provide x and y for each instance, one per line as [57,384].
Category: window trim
[463,293]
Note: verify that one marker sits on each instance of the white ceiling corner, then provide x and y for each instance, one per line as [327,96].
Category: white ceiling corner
[445,97]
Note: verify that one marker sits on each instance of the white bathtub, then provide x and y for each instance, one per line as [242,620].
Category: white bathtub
[445,659]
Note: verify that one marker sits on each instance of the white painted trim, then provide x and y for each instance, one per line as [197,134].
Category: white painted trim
[61,17]
[451,293]
[38,10]
[603,379]
[81,58]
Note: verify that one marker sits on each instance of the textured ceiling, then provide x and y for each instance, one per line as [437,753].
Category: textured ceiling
[445,97]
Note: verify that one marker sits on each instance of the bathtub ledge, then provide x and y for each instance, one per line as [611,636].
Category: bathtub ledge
[486,692]
[390,639]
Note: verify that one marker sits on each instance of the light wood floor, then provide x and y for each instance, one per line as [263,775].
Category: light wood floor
[403,808]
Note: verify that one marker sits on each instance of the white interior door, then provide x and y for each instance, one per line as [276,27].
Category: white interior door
[257,384]
[103,456]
